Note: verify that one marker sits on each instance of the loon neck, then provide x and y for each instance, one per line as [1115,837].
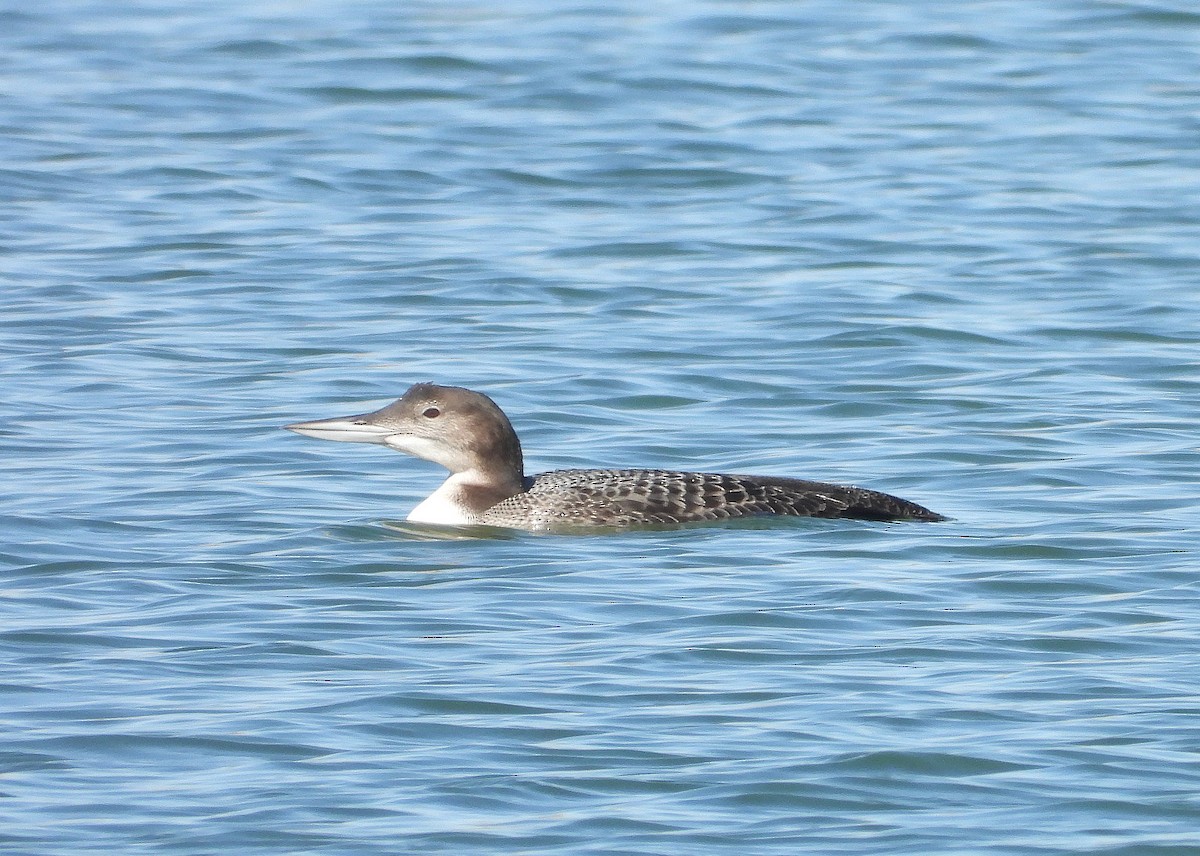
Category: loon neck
[464,497]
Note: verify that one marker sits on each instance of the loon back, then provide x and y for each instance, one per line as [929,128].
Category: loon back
[625,498]
[468,434]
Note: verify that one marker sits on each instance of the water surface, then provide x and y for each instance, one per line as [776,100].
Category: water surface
[948,252]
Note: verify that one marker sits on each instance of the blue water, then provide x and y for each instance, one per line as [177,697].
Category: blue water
[948,251]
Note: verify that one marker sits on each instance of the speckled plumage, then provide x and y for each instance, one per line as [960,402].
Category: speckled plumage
[625,498]
[468,434]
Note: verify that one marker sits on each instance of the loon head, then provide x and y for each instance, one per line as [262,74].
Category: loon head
[460,429]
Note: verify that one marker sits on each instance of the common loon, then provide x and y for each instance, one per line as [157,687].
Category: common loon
[468,434]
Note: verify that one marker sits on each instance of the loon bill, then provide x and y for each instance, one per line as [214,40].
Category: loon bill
[469,435]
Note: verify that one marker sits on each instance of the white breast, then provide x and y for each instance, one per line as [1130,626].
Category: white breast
[443,507]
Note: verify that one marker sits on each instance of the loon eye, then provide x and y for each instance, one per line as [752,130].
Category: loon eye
[431,412]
